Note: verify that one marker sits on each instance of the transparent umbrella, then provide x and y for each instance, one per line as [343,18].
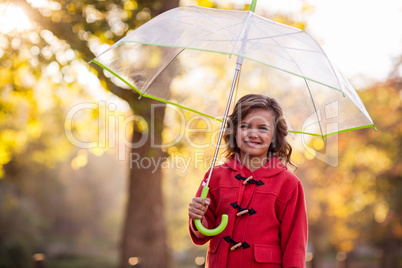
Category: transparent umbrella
[280,61]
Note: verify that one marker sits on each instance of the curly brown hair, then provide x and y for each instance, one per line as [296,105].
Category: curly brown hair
[279,146]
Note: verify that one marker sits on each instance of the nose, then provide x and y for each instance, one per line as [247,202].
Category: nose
[252,133]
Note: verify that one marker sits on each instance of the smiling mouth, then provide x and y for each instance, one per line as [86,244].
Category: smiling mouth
[252,143]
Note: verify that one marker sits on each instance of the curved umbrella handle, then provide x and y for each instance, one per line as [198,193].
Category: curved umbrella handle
[217,230]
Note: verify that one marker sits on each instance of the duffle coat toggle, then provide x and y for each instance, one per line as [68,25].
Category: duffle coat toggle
[236,245]
[243,211]
[249,180]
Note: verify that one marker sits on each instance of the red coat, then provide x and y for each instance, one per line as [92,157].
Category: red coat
[274,231]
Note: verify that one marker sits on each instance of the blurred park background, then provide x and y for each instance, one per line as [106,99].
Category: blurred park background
[71,196]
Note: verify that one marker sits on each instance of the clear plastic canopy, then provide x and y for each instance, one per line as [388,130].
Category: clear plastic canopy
[187,55]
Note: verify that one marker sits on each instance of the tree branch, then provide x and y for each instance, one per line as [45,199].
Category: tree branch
[64,32]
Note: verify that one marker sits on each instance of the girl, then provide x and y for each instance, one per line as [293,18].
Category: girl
[264,201]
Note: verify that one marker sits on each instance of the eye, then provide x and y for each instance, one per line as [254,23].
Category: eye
[264,128]
[243,126]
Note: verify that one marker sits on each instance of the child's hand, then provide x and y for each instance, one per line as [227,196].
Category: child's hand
[198,207]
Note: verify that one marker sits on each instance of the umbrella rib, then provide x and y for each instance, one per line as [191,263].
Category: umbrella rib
[160,71]
[299,31]
[281,35]
[230,33]
[315,108]
[247,19]
[354,94]
[209,18]
[245,57]
[302,75]
[275,36]
[244,29]
[329,62]
[250,13]
[153,97]
[340,87]
[261,44]
[308,87]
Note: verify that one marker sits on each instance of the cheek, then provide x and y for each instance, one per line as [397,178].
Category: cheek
[239,134]
[239,137]
[268,138]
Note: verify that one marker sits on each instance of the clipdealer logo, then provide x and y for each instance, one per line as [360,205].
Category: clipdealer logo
[114,131]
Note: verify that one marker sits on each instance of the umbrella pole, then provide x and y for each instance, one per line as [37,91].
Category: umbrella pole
[239,62]
[205,189]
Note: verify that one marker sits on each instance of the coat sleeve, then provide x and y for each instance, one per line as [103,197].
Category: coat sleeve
[294,229]
[209,220]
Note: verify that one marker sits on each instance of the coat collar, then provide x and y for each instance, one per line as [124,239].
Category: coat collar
[273,167]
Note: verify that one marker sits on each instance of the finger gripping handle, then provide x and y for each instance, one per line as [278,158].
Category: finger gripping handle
[217,230]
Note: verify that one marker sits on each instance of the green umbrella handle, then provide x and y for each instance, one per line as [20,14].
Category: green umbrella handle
[217,230]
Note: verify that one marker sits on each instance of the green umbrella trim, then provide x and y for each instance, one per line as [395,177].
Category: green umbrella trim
[209,116]
[350,129]
[150,96]
[116,75]
[230,54]
[332,133]
[219,52]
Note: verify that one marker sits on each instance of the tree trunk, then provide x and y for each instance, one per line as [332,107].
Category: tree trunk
[390,250]
[144,231]
[317,243]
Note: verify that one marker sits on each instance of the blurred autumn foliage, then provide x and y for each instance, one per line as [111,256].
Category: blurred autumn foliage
[357,204]
[68,203]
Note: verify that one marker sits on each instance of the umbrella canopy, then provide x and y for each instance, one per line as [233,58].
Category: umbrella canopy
[280,61]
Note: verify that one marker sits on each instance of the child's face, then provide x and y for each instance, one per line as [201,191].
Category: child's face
[255,133]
